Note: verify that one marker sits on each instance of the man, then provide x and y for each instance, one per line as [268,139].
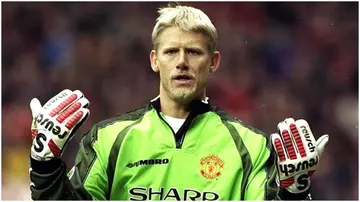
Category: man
[177,147]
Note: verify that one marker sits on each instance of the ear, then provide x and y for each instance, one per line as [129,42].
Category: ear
[215,61]
[153,61]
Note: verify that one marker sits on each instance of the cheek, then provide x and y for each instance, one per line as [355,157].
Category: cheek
[164,73]
[203,70]
[203,65]
[202,77]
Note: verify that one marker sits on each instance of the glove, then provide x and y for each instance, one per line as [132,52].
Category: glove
[54,124]
[298,154]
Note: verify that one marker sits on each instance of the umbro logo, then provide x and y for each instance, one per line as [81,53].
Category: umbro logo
[147,162]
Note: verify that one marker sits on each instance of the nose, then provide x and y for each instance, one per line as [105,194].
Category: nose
[182,61]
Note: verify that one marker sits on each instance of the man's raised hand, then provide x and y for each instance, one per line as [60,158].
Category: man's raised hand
[298,154]
[55,123]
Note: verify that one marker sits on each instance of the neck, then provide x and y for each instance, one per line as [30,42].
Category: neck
[171,108]
[175,109]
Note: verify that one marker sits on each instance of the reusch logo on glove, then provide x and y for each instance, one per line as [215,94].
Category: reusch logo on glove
[50,126]
[290,168]
[307,138]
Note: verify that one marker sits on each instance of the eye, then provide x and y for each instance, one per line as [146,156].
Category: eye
[193,52]
[170,52]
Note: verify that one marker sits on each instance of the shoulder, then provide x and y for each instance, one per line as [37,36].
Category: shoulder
[114,125]
[227,118]
[253,138]
[246,137]
[129,116]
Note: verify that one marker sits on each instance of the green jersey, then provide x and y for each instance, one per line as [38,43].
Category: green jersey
[137,156]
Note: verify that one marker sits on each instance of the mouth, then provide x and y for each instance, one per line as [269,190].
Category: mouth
[183,79]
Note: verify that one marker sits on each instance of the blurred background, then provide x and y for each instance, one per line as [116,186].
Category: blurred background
[278,60]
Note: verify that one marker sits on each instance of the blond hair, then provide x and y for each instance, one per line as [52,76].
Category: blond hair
[187,19]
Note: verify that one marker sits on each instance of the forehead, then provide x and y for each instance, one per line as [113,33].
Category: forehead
[174,36]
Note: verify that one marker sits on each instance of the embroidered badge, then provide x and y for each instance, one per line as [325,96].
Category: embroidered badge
[211,166]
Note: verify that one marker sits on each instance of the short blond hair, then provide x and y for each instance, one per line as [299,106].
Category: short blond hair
[187,19]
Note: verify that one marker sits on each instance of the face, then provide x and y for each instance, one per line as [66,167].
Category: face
[184,62]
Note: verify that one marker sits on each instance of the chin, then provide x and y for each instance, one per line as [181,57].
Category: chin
[183,96]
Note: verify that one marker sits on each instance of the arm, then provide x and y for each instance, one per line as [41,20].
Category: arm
[261,184]
[88,179]
[285,163]
[53,126]
[262,180]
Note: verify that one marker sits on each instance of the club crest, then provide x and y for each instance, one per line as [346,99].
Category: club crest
[211,166]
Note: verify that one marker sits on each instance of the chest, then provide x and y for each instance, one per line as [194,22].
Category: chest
[151,166]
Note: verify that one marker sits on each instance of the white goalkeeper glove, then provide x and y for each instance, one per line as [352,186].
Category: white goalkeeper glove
[298,154]
[55,123]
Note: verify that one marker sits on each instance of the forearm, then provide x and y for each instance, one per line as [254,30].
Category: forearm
[274,192]
[50,182]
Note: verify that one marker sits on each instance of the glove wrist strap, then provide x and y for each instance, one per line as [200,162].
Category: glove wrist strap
[286,195]
[45,167]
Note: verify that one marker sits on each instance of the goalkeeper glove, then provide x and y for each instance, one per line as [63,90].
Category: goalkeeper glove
[55,123]
[298,155]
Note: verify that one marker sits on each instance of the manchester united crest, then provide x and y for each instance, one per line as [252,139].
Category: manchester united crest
[211,166]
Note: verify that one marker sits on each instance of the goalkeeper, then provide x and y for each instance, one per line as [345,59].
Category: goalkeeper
[176,147]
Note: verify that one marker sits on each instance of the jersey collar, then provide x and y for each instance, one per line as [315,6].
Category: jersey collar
[196,106]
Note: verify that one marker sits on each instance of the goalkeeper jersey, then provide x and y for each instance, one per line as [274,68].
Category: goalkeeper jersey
[137,156]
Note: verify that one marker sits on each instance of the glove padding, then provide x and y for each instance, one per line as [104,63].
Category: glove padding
[298,154]
[55,123]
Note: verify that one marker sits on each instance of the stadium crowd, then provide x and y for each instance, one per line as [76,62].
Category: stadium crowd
[278,60]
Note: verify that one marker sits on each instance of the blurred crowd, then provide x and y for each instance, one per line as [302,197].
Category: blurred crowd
[278,60]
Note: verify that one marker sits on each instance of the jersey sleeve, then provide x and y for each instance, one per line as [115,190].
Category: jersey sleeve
[261,184]
[87,180]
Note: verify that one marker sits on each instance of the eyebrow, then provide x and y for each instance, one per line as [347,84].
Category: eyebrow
[186,46]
